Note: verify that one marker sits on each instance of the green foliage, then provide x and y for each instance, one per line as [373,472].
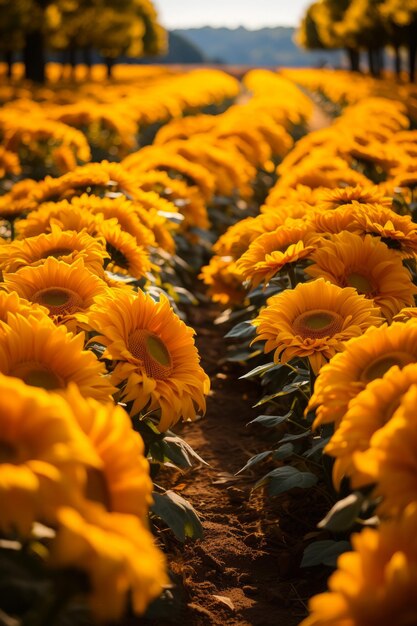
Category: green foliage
[178,514]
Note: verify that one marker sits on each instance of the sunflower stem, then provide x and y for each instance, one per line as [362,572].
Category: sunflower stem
[312,379]
[292,276]
[12,229]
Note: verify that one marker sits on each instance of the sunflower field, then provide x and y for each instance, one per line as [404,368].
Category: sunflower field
[174,242]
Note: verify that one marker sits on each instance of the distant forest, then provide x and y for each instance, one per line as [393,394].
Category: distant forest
[266,47]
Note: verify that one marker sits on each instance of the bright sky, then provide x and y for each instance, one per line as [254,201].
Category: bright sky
[232,13]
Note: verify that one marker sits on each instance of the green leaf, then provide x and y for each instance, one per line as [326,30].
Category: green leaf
[324,552]
[261,369]
[243,329]
[254,460]
[317,447]
[270,420]
[282,479]
[179,451]
[178,514]
[343,514]
[289,437]
[283,452]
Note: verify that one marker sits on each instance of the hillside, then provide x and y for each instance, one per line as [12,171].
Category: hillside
[264,47]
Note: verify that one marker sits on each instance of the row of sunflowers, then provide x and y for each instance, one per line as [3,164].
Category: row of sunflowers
[53,129]
[324,279]
[94,348]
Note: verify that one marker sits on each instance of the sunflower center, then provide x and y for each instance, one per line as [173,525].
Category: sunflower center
[378,367]
[359,282]
[57,252]
[59,301]
[117,256]
[96,488]
[317,324]
[8,453]
[37,375]
[150,349]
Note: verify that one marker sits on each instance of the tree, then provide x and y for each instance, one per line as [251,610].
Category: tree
[112,27]
[402,20]
[319,29]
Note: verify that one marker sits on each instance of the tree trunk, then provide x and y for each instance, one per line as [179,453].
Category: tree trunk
[381,60]
[398,67]
[412,50]
[8,57]
[371,61]
[354,59]
[34,57]
[109,61]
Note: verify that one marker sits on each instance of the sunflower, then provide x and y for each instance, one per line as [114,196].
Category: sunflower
[269,253]
[119,556]
[40,449]
[187,200]
[12,303]
[375,584]
[333,221]
[225,282]
[159,158]
[364,359]
[368,412]
[64,214]
[313,320]
[398,232]
[406,314]
[334,198]
[126,256]
[154,354]
[349,260]
[47,356]
[67,246]
[238,237]
[65,290]
[391,459]
[122,484]
[122,210]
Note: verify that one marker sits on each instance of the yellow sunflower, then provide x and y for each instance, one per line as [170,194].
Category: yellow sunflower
[364,359]
[47,356]
[269,253]
[41,449]
[67,246]
[122,484]
[333,221]
[12,303]
[119,556]
[374,585]
[369,411]
[334,198]
[120,208]
[313,321]
[224,281]
[155,358]
[126,256]
[391,459]
[65,290]
[367,264]
[188,201]
[64,214]
[408,313]
[398,232]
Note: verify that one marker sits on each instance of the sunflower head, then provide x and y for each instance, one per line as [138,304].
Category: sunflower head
[155,360]
[313,321]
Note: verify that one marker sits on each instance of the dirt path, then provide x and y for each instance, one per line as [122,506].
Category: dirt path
[246,569]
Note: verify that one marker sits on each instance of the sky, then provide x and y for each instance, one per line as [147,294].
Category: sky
[231,13]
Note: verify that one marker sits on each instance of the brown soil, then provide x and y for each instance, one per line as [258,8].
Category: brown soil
[246,569]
